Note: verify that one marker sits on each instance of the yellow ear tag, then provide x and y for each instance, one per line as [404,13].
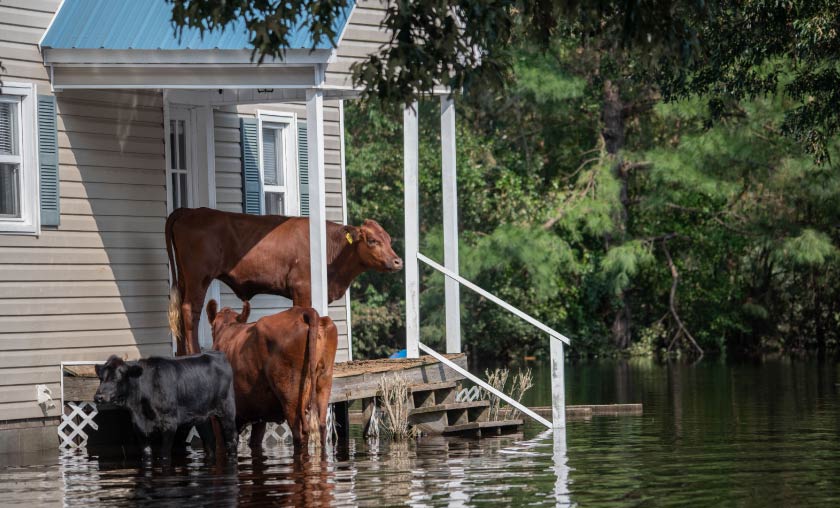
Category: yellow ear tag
[349,238]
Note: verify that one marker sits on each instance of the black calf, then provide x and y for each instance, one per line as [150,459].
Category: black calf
[163,394]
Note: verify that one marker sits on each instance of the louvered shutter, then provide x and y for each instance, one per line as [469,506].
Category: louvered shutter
[251,187]
[303,170]
[48,161]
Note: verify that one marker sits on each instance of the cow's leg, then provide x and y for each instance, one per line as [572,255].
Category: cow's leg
[230,435]
[298,434]
[145,446]
[208,438]
[191,314]
[167,437]
[257,435]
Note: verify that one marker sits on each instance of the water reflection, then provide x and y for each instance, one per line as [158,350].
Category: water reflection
[712,434]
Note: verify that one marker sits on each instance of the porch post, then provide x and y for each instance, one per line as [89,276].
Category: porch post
[412,230]
[558,384]
[317,199]
[450,223]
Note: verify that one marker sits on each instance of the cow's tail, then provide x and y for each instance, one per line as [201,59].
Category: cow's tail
[174,292]
[310,416]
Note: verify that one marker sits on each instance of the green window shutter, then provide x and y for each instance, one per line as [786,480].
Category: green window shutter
[251,186]
[48,160]
[303,169]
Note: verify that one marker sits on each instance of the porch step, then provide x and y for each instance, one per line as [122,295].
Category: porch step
[425,387]
[433,394]
[434,419]
[483,429]
[455,406]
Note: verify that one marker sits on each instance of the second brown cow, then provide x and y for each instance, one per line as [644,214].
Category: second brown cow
[282,368]
[260,254]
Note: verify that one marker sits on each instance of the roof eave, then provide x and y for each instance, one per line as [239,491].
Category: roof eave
[98,57]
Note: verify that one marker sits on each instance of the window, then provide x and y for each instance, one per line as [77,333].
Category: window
[18,163]
[178,163]
[278,163]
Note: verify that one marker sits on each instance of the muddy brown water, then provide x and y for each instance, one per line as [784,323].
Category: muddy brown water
[714,434]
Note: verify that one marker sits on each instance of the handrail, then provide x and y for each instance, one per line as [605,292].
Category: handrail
[454,366]
[495,299]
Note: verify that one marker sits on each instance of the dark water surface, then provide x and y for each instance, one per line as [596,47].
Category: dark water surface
[713,434]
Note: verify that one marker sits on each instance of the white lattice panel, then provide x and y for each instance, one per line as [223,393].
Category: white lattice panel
[76,418]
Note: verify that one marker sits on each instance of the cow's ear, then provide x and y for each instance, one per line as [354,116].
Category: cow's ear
[134,370]
[246,312]
[212,310]
[98,369]
[352,234]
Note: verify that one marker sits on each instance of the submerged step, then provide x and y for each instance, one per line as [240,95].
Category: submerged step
[480,428]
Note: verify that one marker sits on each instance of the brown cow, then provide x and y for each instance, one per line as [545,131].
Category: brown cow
[276,363]
[256,254]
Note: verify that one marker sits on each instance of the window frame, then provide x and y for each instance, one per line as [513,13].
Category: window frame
[291,189]
[29,222]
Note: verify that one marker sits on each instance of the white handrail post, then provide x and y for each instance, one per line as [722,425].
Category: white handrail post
[411,148]
[450,223]
[317,199]
[558,384]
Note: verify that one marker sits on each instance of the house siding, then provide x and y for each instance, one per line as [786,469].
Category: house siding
[97,284]
[362,36]
[229,194]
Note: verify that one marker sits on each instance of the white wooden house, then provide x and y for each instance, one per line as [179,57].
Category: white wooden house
[107,123]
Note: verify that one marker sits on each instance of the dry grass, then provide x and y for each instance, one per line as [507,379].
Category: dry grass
[395,402]
[498,379]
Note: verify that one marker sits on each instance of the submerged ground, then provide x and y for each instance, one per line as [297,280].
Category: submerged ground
[714,434]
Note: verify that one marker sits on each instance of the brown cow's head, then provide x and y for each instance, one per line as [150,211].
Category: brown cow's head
[374,247]
[226,316]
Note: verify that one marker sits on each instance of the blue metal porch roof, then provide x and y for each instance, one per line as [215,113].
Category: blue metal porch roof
[147,25]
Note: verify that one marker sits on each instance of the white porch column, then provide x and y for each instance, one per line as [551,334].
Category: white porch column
[411,140]
[558,384]
[317,199]
[450,224]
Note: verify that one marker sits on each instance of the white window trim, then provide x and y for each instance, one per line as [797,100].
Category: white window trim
[292,188]
[29,222]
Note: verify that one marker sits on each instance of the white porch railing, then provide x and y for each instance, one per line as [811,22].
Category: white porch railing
[558,392]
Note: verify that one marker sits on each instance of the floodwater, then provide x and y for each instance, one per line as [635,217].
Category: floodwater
[713,434]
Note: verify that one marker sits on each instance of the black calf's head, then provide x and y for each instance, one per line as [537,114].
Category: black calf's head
[115,380]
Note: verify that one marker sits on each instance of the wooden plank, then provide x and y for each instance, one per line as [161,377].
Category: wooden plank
[46,6]
[113,191]
[52,273]
[75,306]
[40,256]
[53,357]
[23,410]
[26,392]
[53,238]
[85,322]
[361,385]
[152,117]
[102,207]
[111,143]
[80,339]
[29,375]
[134,130]
[94,174]
[125,99]
[84,157]
[24,16]
[75,289]
[114,223]
[22,34]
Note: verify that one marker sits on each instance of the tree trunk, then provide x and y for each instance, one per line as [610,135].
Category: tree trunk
[613,133]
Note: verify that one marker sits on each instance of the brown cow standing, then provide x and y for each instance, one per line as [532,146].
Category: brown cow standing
[256,254]
[276,363]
